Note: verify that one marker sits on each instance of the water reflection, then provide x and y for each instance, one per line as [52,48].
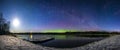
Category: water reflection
[34,36]
[62,41]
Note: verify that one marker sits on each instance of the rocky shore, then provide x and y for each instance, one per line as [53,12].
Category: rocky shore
[13,43]
[112,43]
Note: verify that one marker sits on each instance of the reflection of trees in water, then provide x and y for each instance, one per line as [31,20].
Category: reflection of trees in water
[59,36]
[64,36]
[4,25]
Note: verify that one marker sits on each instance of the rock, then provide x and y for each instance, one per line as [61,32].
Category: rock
[112,43]
[13,43]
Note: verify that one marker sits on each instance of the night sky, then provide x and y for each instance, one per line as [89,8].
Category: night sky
[82,15]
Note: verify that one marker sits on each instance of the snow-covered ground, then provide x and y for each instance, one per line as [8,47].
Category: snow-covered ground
[13,43]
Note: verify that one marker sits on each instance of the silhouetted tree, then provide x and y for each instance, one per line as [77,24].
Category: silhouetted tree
[4,25]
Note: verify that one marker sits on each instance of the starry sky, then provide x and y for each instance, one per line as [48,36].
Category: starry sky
[82,15]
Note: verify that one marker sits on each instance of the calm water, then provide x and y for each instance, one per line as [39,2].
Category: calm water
[64,41]
[68,43]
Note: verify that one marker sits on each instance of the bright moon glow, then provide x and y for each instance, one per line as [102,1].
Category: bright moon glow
[16,22]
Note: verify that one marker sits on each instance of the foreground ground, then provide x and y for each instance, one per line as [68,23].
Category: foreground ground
[13,43]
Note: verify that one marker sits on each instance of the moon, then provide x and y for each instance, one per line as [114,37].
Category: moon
[16,22]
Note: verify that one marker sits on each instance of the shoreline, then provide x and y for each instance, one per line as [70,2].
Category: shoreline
[19,44]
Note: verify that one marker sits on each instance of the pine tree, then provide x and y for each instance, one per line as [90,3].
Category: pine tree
[4,25]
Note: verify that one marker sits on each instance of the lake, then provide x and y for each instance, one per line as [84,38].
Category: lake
[64,41]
